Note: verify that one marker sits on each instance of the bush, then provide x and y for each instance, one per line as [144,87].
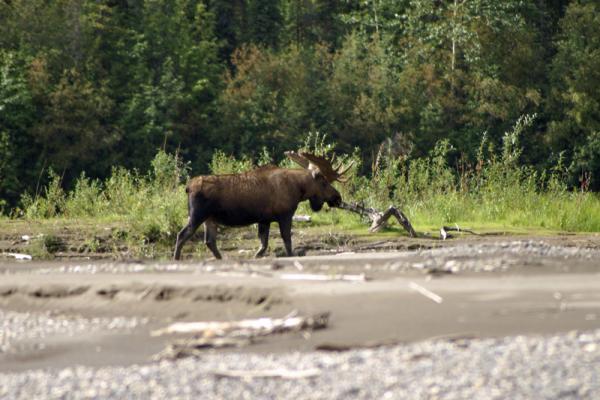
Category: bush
[50,204]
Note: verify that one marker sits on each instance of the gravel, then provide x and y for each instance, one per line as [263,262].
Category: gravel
[490,257]
[18,327]
[565,366]
[562,366]
[476,257]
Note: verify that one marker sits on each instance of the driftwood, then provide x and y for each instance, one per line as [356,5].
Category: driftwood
[379,219]
[217,334]
[445,229]
[247,328]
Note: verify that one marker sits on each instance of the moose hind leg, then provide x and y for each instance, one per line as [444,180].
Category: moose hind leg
[285,228]
[263,235]
[210,238]
[196,218]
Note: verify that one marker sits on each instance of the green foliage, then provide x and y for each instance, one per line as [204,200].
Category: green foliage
[273,98]
[575,94]
[169,171]
[499,190]
[86,199]
[364,95]
[16,115]
[318,143]
[73,134]
[586,160]
[7,169]
[222,163]
[53,244]
[152,206]
[48,205]
[99,86]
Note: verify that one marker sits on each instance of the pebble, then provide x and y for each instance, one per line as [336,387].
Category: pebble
[520,367]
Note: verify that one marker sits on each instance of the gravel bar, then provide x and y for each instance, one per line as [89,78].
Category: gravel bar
[565,366]
[475,257]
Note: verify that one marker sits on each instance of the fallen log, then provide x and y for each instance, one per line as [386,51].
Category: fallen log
[379,219]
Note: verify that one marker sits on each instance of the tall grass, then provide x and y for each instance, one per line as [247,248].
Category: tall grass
[152,206]
[496,190]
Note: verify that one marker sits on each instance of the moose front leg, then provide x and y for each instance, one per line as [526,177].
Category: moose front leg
[285,228]
[263,235]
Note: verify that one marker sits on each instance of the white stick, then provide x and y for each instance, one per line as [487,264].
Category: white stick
[316,277]
[270,373]
[298,266]
[256,326]
[425,292]
[19,256]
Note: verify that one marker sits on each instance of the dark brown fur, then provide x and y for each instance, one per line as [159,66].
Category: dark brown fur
[264,195]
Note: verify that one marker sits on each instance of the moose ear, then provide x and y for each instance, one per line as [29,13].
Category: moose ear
[315,173]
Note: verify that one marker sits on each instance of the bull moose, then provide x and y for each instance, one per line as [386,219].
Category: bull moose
[264,195]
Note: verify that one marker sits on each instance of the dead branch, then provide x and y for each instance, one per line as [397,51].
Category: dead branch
[379,219]
[339,347]
[218,334]
[247,327]
[445,229]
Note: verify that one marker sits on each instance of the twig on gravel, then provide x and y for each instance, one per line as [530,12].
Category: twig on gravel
[318,277]
[445,229]
[454,337]
[337,347]
[269,373]
[195,346]
[18,256]
[425,292]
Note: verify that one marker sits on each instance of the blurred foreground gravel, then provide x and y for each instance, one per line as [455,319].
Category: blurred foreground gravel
[16,327]
[563,366]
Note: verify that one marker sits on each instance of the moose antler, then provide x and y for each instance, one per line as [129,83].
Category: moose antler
[311,161]
[325,166]
[295,157]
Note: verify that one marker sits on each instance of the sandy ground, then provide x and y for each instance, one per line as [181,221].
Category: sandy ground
[96,313]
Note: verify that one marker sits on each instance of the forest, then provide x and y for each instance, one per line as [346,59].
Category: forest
[90,86]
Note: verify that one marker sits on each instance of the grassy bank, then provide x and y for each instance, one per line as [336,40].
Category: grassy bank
[496,192]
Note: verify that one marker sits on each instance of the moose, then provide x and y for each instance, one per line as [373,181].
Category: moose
[264,195]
